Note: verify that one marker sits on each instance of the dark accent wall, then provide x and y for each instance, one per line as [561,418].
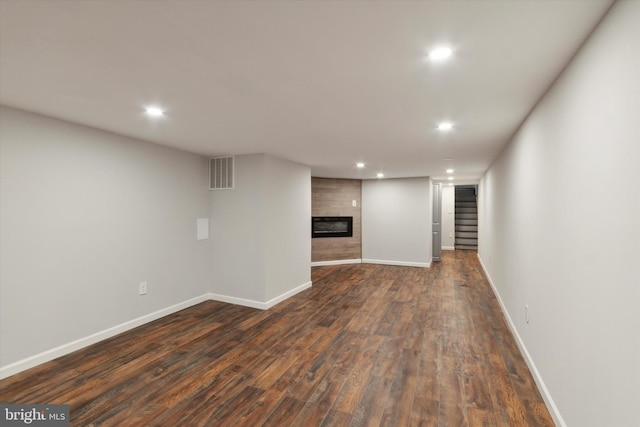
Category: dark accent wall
[334,197]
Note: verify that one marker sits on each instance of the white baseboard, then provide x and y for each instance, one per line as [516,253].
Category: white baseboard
[259,304]
[546,396]
[400,263]
[54,353]
[336,262]
[448,248]
[238,301]
[288,294]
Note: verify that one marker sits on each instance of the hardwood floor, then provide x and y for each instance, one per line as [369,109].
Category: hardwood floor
[368,345]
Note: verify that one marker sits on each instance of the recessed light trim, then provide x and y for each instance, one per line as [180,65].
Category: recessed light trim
[440,53]
[360,165]
[380,175]
[450,178]
[445,126]
[450,170]
[154,111]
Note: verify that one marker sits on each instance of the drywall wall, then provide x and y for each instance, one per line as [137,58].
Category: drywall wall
[261,231]
[448,217]
[559,230]
[85,215]
[237,232]
[396,221]
[334,197]
[288,241]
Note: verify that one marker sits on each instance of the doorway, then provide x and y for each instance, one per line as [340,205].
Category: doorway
[466,217]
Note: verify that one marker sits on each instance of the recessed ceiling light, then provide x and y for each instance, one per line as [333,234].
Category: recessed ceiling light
[380,175]
[450,178]
[448,159]
[451,183]
[360,165]
[440,53]
[445,126]
[153,111]
[449,170]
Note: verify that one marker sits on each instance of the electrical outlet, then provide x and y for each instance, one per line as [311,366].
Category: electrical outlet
[526,313]
[354,203]
[142,289]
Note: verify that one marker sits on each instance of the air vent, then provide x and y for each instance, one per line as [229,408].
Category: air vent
[221,173]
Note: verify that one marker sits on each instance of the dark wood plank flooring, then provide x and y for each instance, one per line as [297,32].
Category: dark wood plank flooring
[368,345]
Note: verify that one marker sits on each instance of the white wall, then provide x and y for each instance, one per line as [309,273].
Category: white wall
[288,239]
[237,232]
[86,215]
[261,232]
[448,217]
[559,230]
[396,221]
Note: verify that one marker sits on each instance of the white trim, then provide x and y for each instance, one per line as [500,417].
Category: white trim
[401,263]
[448,248]
[336,262]
[288,294]
[546,396]
[54,353]
[238,301]
[259,304]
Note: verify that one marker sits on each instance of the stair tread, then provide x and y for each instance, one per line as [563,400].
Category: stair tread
[466,219]
[467,234]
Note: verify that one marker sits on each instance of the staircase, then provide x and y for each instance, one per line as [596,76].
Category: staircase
[466,218]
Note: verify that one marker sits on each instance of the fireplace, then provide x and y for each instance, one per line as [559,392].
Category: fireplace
[332,226]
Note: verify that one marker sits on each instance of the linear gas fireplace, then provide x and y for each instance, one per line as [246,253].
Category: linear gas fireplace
[332,226]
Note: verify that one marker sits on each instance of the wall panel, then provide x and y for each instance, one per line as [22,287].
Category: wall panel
[334,197]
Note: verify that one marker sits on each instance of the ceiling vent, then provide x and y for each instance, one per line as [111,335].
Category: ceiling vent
[221,173]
